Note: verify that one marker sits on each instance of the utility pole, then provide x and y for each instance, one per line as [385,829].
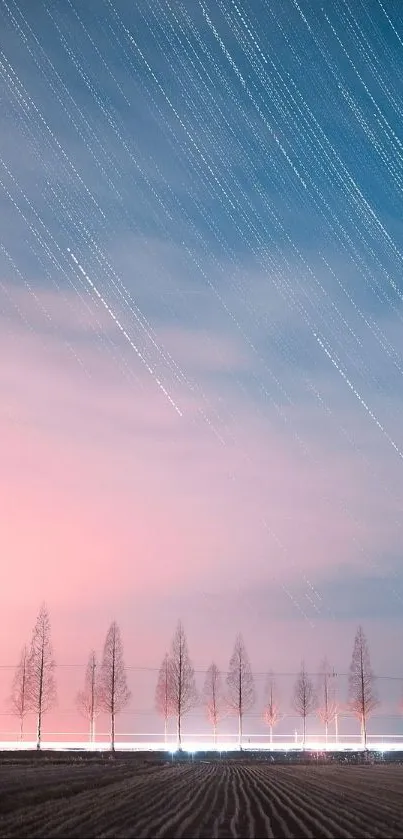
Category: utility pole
[336,716]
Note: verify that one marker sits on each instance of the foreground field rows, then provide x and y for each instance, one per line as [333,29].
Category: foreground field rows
[202,800]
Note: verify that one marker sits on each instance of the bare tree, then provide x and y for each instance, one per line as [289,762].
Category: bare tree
[114,693]
[213,697]
[182,681]
[40,684]
[164,693]
[241,688]
[271,712]
[362,698]
[304,699]
[87,700]
[326,696]
[18,700]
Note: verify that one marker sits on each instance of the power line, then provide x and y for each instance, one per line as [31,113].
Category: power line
[256,674]
[195,713]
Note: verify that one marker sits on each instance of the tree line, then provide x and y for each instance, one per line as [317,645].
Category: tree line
[105,687]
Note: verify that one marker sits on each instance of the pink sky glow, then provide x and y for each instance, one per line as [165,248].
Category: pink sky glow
[114,506]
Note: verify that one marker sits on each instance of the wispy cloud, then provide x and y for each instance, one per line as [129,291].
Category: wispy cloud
[102,467]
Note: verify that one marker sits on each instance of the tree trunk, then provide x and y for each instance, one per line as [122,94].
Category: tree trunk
[326,729]
[40,702]
[271,735]
[112,732]
[214,734]
[240,731]
[165,730]
[304,732]
[39,730]
[364,731]
[21,729]
[179,731]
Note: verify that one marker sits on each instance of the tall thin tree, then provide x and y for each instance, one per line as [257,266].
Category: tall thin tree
[362,697]
[182,682]
[212,697]
[163,693]
[326,708]
[87,700]
[271,712]
[40,684]
[18,700]
[304,698]
[240,684]
[114,693]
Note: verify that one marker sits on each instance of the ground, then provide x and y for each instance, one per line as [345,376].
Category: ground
[140,798]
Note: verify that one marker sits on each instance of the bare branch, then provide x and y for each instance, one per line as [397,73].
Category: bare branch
[327,706]
[114,693]
[40,685]
[88,700]
[241,689]
[362,697]
[271,711]
[183,692]
[304,698]
[18,701]
[212,697]
[164,693]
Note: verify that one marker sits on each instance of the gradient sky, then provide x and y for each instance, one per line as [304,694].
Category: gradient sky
[201,345]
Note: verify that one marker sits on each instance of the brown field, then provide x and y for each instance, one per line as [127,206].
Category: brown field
[123,799]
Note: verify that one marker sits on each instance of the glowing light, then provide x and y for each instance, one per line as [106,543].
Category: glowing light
[395,745]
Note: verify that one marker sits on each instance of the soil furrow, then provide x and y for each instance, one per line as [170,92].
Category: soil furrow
[285,823]
[109,819]
[365,815]
[143,804]
[195,797]
[224,800]
[172,796]
[263,823]
[223,807]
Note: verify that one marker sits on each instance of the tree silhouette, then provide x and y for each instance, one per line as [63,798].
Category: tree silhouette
[40,684]
[164,702]
[113,691]
[241,689]
[213,697]
[304,699]
[87,700]
[18,700]
[362,698]
[182,681]
[271,712]
[326,696]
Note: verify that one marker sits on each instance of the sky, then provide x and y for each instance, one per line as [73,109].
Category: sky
[201,346]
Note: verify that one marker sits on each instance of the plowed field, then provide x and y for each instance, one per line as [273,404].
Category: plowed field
[201,800]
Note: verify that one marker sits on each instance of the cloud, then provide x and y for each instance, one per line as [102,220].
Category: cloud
[108,491]
[45,310]
[244,513]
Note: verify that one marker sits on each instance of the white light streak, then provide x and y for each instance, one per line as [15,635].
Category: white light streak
[125,334]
